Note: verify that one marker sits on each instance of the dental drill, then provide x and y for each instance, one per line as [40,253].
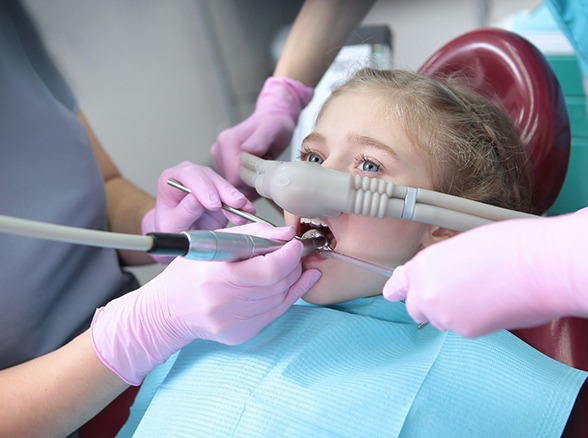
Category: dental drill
[195,245]
[310,190]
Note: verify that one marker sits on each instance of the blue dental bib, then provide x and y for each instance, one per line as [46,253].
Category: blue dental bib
[357,369]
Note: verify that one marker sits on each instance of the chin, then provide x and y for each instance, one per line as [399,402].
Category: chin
[320,299]
[340,281]
[317,298]
[331,290]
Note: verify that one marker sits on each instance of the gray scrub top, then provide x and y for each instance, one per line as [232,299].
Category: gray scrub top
[48,290]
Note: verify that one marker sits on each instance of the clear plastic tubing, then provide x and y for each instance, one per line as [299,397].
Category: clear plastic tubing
[363,264]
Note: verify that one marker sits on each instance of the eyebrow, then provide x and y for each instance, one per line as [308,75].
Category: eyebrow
[313,136]
[356,139]
[372,142]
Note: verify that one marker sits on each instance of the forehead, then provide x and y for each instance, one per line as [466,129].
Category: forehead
[355,103]
[361,114]
[364,113]
[351,119]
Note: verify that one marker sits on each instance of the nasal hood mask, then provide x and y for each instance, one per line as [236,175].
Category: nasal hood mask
[310,190]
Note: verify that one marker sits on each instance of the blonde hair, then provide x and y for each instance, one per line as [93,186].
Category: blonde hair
[471,146]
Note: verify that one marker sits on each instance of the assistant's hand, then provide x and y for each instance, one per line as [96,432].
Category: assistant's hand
[267,132]
[512,274]
[177,211]
[219,301]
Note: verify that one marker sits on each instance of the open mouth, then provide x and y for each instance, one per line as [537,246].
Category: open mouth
[307,224]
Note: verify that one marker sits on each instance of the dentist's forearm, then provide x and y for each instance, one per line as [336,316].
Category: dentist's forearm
[126,203]
[321,28]
[57,393]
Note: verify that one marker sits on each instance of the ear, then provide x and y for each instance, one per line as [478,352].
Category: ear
[437,234]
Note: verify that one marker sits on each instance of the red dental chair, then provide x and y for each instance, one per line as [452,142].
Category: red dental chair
[514,74]
[511,72]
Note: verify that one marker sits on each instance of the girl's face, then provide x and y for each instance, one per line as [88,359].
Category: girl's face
[354,135]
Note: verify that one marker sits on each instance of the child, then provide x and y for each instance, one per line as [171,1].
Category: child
[357,365]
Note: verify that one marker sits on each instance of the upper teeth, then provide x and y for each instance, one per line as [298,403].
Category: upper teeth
[313,221]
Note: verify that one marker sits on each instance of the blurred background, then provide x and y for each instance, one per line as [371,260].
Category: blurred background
[159,80]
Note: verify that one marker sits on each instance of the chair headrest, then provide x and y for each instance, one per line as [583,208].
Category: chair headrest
[507,69]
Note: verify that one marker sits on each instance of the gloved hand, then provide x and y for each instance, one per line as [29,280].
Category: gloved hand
[511,274]
[177,211]
[266,132]
[219,301]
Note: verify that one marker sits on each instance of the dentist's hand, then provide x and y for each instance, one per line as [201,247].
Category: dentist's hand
[218,301]
[177,211]
[267,132]
[511,274]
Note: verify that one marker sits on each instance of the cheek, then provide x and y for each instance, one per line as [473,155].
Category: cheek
[290,219]
[386,241]
[343,283]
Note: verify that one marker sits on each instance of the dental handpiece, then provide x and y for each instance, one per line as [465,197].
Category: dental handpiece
[309,190]
[217,246]
[197,245]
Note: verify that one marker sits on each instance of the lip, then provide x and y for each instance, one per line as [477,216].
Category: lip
[314,258]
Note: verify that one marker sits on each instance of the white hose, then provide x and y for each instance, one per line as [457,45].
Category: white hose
[80,236]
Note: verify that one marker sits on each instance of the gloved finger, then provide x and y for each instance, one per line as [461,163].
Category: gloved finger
[437,325]
[396,288]
[190,214]
[306,281]
[232,218]
[270,137]
[263,295]
[269,269]
[211,221]
[263,230]
[189,209]
[260,140]
[415,312]
[225,153]
[218,188]
[167,195]
[228,193]
[230,140]
[208,187]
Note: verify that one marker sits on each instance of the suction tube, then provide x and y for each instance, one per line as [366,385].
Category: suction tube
[80,236]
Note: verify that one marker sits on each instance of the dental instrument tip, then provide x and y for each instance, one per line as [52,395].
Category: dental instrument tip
[313,241]
[325,251]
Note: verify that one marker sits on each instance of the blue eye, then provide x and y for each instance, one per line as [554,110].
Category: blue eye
[314,158]
[369,166]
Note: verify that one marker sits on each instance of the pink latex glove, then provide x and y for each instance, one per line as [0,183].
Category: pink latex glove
[219,301]
[512,274]
[266,132]
[177,211]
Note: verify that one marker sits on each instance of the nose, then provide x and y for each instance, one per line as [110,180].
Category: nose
[335,162]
